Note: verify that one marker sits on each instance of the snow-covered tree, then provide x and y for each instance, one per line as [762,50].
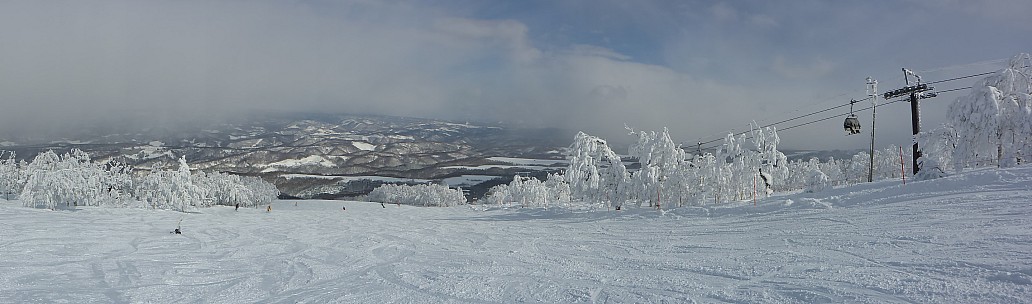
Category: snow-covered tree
[427,195]
[707,177]
[172,189]
[887,162]
[10,175]
[119,183]
[994,122]
[833,169]
[739,170]
[39,181]
[816,180]
[771,161]
[523,191]
[532,193]
[231,190]
[937,150]
[559,189]
[595,172]
[73,179]
[66,181]
[661,167]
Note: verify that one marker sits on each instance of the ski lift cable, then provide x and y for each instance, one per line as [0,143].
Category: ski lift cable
[961,77]
[968,76]
[829,117]
[843,105]
[951,90]
[720,136]
[956,66]
[820,102]
[847,104]
[839,115]
[790,119]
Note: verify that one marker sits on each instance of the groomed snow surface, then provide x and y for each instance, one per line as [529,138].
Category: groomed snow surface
[962,239]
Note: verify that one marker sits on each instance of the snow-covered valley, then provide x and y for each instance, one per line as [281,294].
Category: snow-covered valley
[966,238]
[321,155]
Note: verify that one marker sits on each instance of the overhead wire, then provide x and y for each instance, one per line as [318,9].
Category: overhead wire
[844,105]
[959,78]
[951,90]
[813,122]
[825,118]
[957,66]
[720,136]
[787,120]
[984,62]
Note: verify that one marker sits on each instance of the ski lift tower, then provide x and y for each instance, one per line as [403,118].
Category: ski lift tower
[915,92]
[872,93]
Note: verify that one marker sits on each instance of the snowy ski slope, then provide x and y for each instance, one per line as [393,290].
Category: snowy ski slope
[962,239]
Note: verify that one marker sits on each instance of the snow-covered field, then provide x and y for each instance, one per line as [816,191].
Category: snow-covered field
[962,239]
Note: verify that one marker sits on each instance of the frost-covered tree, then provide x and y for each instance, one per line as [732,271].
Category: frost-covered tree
[994,122]
[522,191]
[118,183]
[530,192]
[816,180]
[595,172]
[43,189]
[559,189]
[172,189]
[231,190]
[707,178]
[770,160]
[661,167]
[67,181]
[427,195]
[833,169]
[741,169]
[10,175]
[887,162]
[73,179]
[937,150]
[858,167]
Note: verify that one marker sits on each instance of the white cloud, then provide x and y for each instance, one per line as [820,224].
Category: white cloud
[176,59]
[817,68]
[649,65]
[723,12]
[508,34]
[591,50]
[764,21]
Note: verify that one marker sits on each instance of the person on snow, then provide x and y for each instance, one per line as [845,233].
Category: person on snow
[178,228]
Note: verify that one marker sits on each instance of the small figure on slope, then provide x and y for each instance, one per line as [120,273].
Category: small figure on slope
[178,227]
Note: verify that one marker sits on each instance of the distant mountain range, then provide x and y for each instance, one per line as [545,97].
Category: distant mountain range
[332,156]
[328,156]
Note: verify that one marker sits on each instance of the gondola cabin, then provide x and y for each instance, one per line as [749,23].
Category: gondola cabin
[852,125]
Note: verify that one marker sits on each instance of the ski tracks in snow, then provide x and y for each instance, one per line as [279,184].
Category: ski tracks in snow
[962,239]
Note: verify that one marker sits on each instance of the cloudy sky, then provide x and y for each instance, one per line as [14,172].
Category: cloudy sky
[701,68]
